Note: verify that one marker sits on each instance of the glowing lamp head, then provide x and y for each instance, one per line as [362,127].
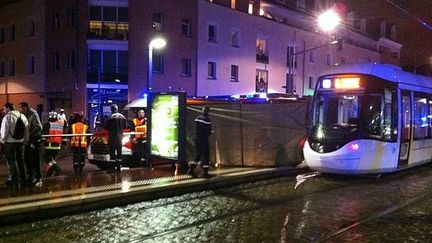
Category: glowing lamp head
[158,43]
[328,21]
[354,146]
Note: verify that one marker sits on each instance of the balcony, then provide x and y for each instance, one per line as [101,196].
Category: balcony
[107,74]
[104,30]
[262,56]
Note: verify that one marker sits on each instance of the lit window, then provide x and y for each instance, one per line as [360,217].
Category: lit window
[250,8]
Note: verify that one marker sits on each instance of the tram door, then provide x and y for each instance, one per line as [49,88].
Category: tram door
[406,128]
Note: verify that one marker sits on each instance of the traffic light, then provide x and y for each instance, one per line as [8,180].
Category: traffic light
[340,44]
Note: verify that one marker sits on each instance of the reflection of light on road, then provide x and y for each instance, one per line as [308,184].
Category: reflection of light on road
[302,178]
[126,186]
[301,225]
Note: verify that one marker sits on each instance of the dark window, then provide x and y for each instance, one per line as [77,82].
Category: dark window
[123,14]
[12,68]
[311,82]
[56,21]
[186,27]
[158,21]
[158,63]
[72,59]
[95,13]
[123,59]
[235,39]
[186,67]
[12,33]
[212,33]
[2,34]
[31,65]
[72,18]
[328,60]
[109,13]
[211,70]
[95,59]
[2,69]
[56,61]
[234,73]
[31,28]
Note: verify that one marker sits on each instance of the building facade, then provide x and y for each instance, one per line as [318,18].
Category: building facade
[86,54]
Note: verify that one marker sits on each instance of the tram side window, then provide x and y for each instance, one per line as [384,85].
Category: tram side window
[430,116]
[421,112]
[406,117]
[373,115]
[390,115]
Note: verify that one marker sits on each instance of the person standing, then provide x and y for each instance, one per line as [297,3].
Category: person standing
[203,129]
[54,126]
[139,140]
[13,141]
[31,149]
[115,126]
[78,143]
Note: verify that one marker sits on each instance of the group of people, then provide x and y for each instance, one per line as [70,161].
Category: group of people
[22,148]
[21,133]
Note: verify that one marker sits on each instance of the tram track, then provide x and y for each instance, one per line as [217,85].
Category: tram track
[239,192]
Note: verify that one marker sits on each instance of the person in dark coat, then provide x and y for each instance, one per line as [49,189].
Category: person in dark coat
[31,149]
[115,126]
[203,130]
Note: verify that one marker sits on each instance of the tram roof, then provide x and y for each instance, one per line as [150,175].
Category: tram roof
[385,71]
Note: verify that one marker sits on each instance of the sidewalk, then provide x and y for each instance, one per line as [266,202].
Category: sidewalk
[97,189]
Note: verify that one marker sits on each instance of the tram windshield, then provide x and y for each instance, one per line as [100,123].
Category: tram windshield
[360,114]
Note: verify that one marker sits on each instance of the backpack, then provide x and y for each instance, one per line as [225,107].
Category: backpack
[19,130]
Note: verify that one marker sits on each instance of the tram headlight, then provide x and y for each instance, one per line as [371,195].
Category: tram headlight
[354,146]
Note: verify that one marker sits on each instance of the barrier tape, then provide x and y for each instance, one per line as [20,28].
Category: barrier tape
[88,134]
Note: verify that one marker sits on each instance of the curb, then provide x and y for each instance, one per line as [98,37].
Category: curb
[57,207]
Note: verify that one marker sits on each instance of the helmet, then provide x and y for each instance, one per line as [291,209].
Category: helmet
[52,114]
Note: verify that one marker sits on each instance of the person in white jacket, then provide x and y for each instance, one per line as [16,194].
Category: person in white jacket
[14,148]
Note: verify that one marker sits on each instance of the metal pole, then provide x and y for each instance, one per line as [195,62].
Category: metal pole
[150,68]
[99,91]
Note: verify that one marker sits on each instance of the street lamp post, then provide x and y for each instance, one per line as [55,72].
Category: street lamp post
[327,21]
[155,43]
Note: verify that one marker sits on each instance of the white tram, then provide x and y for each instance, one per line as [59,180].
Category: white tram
[370,118]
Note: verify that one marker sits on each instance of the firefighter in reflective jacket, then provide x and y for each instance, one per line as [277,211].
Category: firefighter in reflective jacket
[52,144]
[139,125]
[203,130]
[78,143]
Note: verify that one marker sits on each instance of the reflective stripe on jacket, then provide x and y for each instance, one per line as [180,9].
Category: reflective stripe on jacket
[140,126]
[79,141]
[56,128]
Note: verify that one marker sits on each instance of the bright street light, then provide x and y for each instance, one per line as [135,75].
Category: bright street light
[328,20]
[155,43]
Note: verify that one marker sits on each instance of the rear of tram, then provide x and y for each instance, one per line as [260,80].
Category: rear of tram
[353,125]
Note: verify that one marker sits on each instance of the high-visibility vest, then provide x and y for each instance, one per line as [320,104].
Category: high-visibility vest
[56,128]
[79,141]
[140,126]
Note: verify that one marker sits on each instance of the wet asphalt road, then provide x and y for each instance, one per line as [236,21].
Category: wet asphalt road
[323,208]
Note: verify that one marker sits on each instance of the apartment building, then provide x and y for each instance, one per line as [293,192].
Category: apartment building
[86,54]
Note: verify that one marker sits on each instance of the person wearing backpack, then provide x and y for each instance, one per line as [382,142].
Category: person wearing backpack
[31,149]
[13,134]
